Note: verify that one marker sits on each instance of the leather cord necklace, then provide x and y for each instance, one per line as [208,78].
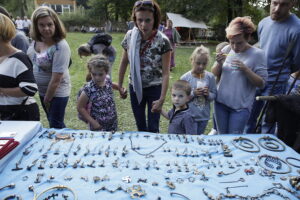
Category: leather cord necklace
[147,155]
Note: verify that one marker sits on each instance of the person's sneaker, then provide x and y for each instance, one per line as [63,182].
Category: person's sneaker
[213,132]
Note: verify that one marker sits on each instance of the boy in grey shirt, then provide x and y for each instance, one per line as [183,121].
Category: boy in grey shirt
[181,116]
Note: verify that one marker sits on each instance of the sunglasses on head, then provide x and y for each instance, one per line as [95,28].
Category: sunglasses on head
[140,3]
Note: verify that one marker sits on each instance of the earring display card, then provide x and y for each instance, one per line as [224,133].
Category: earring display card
[6,146]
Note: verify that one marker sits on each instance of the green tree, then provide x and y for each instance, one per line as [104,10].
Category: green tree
[83,3]
[18,7]
[117,10]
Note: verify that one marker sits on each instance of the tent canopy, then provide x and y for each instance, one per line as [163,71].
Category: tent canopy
[180,21]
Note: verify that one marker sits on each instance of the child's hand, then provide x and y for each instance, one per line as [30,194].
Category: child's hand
[205,91]
[220,58]
[197,92]
[201,91]
[95,126]
[123,93]
[157,106]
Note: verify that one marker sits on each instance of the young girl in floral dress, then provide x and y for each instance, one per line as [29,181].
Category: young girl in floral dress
[98,94]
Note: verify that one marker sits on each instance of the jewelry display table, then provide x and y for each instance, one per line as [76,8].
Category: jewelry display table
[21,131]
[80,164]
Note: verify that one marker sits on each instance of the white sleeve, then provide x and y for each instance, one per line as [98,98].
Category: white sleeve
[61,58]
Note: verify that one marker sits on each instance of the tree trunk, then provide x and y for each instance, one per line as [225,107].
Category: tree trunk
[24,8]
[116,12]
[239,8]
[229,11]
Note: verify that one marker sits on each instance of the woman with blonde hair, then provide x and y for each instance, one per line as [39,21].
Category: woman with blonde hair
[241,71]
[50,54]
[17,84]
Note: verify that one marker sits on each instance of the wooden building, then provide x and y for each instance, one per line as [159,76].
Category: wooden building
[60,6]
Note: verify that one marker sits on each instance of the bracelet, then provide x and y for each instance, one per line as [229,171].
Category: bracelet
[268,166]
[291,158]
[58,187]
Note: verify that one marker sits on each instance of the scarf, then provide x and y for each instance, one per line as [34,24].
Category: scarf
[135,65]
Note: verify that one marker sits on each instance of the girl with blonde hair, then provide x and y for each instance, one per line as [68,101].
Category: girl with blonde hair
[203,86]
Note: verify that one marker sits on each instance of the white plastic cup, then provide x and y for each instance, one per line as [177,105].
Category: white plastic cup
[233,66]
[201,84]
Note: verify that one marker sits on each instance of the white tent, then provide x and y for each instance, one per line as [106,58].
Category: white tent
[180,21]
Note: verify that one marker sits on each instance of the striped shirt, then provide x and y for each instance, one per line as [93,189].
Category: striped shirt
[16,71]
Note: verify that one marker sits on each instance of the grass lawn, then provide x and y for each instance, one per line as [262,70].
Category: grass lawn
[78,72]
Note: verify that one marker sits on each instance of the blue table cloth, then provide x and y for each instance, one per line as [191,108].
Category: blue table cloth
[97,165]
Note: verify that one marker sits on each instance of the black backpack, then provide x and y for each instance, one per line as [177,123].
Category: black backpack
[101,38]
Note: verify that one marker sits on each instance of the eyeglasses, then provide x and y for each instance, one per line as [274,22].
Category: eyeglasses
[141,2]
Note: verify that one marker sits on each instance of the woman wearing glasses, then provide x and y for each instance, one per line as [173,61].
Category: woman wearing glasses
[148,52]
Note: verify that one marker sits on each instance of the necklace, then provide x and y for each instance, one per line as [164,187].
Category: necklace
[271,144]
[266,193]
[245,144]
[147,155]
[149,41]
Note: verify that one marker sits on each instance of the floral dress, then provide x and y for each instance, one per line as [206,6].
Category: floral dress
[103,108]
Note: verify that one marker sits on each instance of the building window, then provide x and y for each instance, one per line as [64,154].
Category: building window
[66,8]
[53,7]
[58,9]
